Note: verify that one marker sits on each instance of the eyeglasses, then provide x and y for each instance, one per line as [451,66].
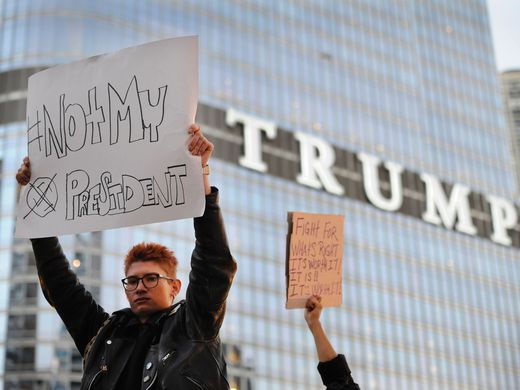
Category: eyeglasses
[150,280]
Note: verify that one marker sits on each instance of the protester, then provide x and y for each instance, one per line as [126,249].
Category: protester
[332,367]
[153,344]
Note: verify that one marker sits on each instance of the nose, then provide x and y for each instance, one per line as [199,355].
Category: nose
[140,286]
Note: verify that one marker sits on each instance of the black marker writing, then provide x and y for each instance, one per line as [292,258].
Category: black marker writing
[126,194]
[132,116]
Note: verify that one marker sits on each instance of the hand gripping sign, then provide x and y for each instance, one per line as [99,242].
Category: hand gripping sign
[314,259]
[107,137]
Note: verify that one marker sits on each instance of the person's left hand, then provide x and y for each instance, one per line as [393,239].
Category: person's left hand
[313,309]
[23,176]
[199,145]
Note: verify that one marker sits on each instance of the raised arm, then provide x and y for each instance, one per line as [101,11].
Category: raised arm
[312,315]
[200,146]
[80,313]
[212,266]
[77,308]
[333,368]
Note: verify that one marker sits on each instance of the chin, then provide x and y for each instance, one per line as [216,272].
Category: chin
[140,311]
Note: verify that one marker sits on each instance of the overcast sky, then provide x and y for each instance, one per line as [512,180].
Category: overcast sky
[505,26]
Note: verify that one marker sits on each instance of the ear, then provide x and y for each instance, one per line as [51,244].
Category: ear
[175,287]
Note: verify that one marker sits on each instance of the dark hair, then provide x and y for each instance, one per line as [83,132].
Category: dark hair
[151,251]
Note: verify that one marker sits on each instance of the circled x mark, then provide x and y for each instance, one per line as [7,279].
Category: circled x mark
[42,197]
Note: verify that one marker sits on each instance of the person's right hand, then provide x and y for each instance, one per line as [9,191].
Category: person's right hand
[313,309]
[23,176]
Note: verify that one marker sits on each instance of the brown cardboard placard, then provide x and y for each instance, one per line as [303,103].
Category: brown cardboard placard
[314,259]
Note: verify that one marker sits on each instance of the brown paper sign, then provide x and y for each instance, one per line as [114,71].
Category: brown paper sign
[314,258]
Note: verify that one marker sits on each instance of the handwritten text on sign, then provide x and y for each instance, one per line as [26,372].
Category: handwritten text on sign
[314,259]
[107,137]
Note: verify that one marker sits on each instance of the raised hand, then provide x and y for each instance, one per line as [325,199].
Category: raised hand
[23,176]
[313,309]
[199,145]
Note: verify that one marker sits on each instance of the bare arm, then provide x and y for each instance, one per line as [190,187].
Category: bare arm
[324,348]
[333,368]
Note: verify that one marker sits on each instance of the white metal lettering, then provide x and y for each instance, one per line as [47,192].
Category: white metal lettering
[503,217]
[252,157]
[371,183]
[441,211]
[316,159]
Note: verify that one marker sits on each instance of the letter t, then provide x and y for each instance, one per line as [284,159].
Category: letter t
[252,157]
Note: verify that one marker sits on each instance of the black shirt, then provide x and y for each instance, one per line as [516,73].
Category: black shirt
[145,335]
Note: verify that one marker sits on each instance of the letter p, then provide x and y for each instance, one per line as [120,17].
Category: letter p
[76,182]
[503,217]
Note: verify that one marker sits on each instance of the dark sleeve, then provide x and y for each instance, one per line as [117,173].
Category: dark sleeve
[75,305]
[212,272]
[335,374]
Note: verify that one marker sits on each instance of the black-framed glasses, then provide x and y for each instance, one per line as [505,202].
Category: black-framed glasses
[150,280]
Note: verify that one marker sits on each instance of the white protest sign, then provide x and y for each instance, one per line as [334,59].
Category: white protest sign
[107,140]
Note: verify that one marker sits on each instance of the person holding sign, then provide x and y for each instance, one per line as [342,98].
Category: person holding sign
[152,344]
[332,367]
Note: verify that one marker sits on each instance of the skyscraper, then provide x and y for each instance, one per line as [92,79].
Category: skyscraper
[386,112]
[510,82]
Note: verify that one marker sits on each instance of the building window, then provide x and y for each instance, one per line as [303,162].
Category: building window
[23,263]
[239,372]
[23,294]
[21,326]
[13,384]
[514,90]
[76,361]
[19,359]
[85,262]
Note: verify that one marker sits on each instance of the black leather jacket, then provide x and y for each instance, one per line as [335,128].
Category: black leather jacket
[188,353]
[336,374]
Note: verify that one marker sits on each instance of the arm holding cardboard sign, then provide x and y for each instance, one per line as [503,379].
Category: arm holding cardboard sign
[333,368]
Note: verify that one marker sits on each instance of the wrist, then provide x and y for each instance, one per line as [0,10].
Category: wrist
[314,325]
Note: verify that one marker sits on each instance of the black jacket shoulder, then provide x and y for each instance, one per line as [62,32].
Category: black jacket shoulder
[336,374]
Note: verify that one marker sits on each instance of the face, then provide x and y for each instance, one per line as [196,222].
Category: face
[147,301]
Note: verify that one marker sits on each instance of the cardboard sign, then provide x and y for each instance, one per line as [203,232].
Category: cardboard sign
[107,139]
[314,259]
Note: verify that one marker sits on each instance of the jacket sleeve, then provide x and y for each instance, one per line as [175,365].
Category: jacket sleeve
[212,272]
[336,374]
[77,308]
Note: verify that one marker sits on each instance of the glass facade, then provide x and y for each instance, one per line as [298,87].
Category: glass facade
[510,82]
[408,81]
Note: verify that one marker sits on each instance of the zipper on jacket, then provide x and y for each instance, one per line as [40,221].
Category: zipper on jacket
[153,381]
[167,356]
[195,382]
[102,369]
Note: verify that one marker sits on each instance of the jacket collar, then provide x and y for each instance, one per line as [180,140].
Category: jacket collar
[155,318]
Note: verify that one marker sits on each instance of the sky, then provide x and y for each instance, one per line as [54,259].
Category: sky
[505,27]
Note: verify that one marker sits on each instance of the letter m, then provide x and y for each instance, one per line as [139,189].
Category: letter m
[122,110]
[440,210]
